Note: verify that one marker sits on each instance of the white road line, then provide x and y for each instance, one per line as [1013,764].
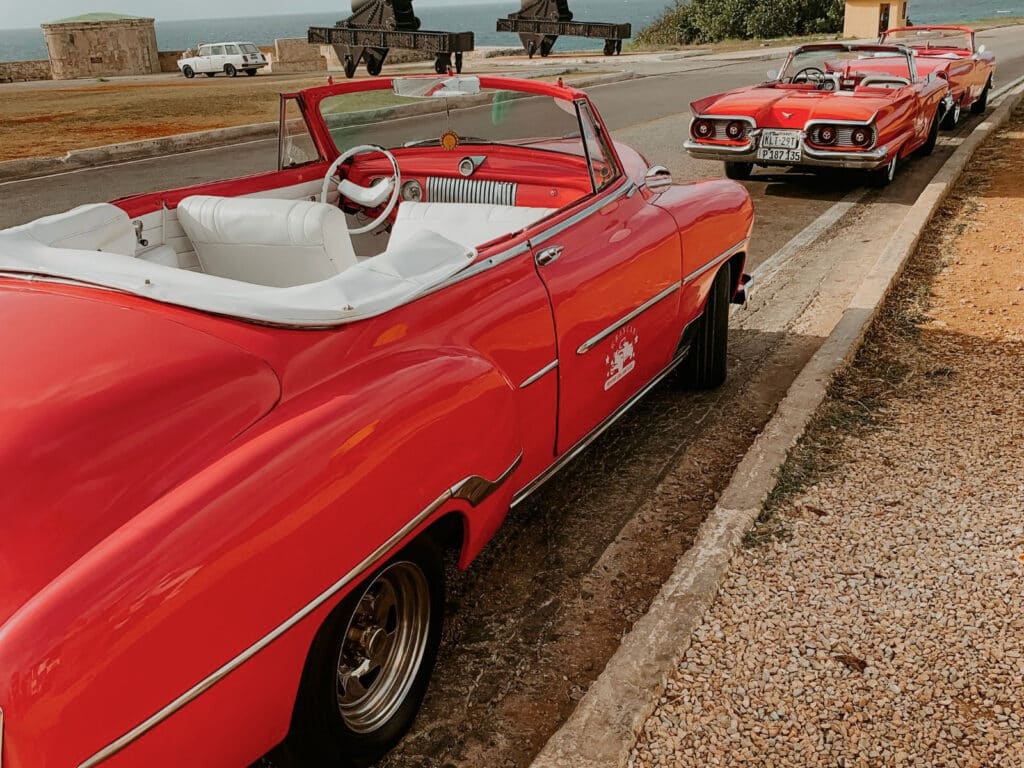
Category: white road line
[771,266]
[119,164]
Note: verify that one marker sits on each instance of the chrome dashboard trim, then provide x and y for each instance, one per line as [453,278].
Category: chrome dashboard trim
[592,342]
[474,489]
[716,261]
[539,374]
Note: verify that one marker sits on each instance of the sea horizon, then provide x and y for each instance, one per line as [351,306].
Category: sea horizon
[27,43]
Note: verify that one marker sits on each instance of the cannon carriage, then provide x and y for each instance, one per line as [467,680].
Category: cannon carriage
[539,24]
[377,26]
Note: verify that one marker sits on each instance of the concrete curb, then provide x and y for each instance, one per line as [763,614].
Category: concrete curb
[602,730]
[111,154]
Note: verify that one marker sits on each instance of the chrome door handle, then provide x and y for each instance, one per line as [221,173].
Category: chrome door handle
[549,255]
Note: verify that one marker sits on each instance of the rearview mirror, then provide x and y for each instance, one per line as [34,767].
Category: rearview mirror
[436,87]
[773,75]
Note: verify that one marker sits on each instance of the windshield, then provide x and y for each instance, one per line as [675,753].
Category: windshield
[927,39]
[820,64]
[485,116]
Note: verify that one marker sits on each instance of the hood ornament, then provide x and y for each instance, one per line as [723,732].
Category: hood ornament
[787,115]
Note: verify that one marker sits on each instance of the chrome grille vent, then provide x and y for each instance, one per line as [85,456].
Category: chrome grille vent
[443,190]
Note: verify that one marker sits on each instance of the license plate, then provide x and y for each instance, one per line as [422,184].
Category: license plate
[778,155]
[779,139]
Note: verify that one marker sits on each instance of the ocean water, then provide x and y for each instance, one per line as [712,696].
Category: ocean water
[21,44]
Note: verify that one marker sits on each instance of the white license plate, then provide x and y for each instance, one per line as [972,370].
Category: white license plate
[778,155]
[779,139]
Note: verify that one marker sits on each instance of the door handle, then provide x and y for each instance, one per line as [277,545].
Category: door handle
[549,255]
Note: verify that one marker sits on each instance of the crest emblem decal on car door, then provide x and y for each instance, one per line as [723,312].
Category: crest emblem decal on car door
[622,360]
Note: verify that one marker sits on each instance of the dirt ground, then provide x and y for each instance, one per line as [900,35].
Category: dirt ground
[48,121]
[875,617]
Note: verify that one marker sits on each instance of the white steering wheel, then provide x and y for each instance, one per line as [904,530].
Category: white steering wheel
[368,197]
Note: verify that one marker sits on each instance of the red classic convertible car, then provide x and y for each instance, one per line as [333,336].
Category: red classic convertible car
[833,105]
[243,421]
[950,53]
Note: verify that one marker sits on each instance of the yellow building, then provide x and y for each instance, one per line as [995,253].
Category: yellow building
[869,18]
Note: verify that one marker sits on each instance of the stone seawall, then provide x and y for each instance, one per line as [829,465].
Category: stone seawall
[22,71]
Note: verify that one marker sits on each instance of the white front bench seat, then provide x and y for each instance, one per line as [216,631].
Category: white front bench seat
[471,224]
[265,241]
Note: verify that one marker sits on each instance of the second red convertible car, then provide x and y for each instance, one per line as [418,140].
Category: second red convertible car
[833,105]
[950,53]
[242,422]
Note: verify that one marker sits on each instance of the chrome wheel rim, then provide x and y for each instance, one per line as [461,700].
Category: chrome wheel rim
[383,647]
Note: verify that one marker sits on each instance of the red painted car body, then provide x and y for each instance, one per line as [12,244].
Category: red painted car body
[185,495]
[950,52]
[826,97]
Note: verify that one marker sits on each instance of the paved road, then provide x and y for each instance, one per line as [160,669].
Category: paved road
[534,620]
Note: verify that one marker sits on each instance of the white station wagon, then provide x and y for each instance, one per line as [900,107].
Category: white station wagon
[229,58]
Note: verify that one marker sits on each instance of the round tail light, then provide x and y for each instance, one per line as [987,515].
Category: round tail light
[860,137]
[703,129]
[827,135]
[735,130]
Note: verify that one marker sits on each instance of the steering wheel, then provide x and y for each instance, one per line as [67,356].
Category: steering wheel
[368,197]
[808,74]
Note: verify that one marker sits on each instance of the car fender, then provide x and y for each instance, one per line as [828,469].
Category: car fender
[219,563]
[715,218]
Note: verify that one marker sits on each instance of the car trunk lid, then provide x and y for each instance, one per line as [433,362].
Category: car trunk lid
[104,409]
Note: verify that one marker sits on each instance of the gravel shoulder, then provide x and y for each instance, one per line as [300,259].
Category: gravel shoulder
[876,615]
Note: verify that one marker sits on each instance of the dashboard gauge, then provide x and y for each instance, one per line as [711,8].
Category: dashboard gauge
[412,192]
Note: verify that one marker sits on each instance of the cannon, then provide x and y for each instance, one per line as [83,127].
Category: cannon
[539,23]
[376,26]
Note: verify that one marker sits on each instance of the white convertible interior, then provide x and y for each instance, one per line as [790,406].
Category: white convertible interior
[283,261]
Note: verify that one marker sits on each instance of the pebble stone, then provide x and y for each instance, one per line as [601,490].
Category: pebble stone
[887,628]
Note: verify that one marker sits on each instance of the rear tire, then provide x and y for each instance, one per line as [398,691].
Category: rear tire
[951,119]
[705,366]
[355,724]
[250,72]
[882,177]
[188,72]
[229,70]
[981,104]
[738,171]
[933,136]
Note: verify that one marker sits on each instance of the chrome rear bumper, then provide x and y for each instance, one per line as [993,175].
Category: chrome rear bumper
[867,159]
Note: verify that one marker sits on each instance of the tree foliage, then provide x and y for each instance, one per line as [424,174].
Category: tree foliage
[708,21]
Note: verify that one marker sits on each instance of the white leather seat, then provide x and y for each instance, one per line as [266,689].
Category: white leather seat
[265,241]
[884,81]
[97,227]
[470,224]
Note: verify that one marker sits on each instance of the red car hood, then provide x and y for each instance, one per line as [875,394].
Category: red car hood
[785,108]
[103,408]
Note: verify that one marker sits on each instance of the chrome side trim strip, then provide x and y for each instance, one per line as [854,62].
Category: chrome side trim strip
[715,262]
[591,436]
[539,374]
[1,736]
[473,489]
[589,344]
[476,489]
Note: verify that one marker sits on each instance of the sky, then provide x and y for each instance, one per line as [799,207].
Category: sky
[16,14]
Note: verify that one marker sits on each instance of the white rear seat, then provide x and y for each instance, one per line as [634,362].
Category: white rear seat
[97,227]
[470,224]
[265,241]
